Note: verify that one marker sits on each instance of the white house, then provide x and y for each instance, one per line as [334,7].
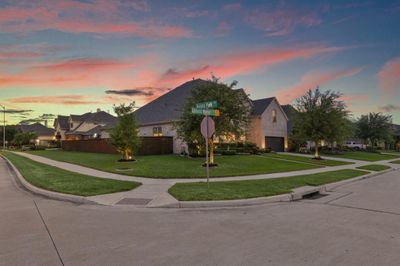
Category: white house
[269,123]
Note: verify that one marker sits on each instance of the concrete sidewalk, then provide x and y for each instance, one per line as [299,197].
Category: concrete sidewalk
[154,192]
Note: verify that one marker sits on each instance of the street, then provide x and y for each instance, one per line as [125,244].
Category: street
[358,224]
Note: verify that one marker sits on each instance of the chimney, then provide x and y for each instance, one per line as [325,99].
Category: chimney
[98,110]
[45,123]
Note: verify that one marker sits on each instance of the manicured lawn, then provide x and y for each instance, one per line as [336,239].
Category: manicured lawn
[374,167]
[366,156]
[396,162]
[173,166]
[59,180]
[290,157]
[230,190]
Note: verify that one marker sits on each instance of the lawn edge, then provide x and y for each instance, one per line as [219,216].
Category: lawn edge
[288,197]
[19,178]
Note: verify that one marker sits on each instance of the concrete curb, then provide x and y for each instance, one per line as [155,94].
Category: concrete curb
[296,194]
[46,193]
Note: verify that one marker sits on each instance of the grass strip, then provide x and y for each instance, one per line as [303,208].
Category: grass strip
[59,180]
[230,190]
[374,167]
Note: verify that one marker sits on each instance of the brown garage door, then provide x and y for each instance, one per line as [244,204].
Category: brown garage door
[275,143]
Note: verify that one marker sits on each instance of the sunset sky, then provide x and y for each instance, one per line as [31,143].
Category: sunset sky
[65,56]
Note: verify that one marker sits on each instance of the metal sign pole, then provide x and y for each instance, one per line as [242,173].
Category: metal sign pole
[207,166]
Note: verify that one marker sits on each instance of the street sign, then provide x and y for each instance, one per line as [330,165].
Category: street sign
[207,127]
[207,105]
[211,112]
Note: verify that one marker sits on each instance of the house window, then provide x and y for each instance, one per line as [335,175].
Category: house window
[157,132]
[274,116]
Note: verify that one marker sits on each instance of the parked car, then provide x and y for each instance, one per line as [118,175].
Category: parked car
[355,145]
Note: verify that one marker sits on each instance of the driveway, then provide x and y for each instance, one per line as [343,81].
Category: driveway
[359,224]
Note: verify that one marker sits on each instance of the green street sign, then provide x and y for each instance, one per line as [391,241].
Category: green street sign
[212,112]
[207,105]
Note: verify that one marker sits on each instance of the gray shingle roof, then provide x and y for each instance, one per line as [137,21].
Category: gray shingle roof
[37,128]
[63,121]
[260,105]
[168,107]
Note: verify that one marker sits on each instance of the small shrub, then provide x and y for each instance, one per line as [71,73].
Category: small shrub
[229,152]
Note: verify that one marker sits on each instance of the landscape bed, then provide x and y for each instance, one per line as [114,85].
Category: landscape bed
[231,190]
[174,166]
[59,180]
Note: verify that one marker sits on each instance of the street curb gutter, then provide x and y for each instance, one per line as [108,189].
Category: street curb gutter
[46,193]
[295,195]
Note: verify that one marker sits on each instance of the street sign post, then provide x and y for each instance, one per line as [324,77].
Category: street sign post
[207,126]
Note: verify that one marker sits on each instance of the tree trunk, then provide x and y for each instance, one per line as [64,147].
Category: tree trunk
[211,144]
[316,153]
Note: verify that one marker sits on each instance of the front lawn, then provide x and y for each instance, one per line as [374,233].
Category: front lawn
[366,156]
[174,166]
[306,159]
[59,180]
[374,167]
[230,190]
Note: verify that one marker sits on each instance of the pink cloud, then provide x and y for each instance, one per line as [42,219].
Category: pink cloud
[389,76]
[311,81]
[229,65]
[100,17]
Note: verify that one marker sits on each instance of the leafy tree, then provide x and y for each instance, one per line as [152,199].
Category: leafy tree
[374,127]
[233,121]
[320,117]
[24,138]
[10,133]
[125,136]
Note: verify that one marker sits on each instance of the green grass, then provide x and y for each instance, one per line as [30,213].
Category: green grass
[306,159]
[396,162]
[366,156]
[230,190]
[374,167]
[59,180]
[174,166]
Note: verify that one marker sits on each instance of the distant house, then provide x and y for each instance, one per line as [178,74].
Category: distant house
[44,134]
[87,126]
[268,122]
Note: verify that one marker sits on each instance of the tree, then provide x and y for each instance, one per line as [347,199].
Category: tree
[10,133]
[23,138]
[232,123]
[125,136]
[374,127]
[320,116]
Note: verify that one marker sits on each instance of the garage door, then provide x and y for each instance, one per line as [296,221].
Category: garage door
[275,143]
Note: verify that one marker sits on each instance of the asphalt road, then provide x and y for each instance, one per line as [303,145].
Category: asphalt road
[359,224]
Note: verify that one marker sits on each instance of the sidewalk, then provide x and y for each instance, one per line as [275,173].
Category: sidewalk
[154,192]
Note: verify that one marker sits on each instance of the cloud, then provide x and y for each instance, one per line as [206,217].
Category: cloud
[389,76]
[96,17]
[222,29]
[232,7]
[281,22]
[131,92]
[390,108]
[17,111]
[63,99]
[242,62]
[311,81]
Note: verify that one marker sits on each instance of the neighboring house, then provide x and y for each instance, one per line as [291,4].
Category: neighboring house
[268,122]
[269,125]
[44,134]
[87,126]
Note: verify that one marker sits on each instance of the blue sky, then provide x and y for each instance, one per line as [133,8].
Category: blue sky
[61,57]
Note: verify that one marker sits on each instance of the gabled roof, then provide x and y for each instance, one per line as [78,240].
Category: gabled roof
[260,105]
[103,119]
[62,121]
[37,128]
[168,107]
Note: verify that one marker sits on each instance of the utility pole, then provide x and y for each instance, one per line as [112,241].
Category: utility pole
[4,126]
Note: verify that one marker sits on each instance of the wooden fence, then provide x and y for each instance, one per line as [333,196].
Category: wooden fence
[149,146]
